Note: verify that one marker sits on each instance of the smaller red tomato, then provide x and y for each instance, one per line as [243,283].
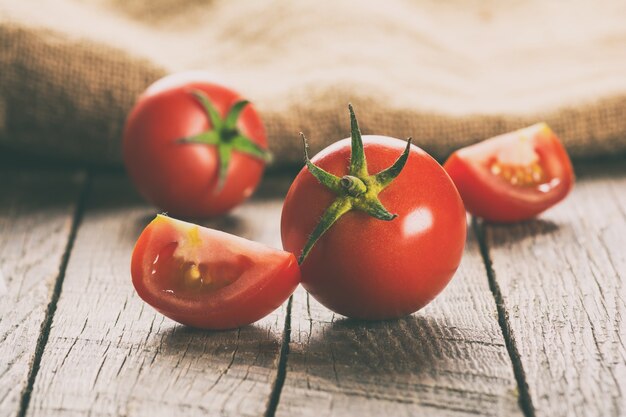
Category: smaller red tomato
[193,147]
[512,177]
[209,279]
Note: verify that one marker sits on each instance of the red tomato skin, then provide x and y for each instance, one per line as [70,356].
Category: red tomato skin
[222,309]
[181,178]
[492,199]
[372,269]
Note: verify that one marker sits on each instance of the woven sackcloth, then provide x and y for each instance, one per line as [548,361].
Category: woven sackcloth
[447,73]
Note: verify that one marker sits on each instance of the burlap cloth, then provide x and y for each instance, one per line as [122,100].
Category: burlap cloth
[447,73]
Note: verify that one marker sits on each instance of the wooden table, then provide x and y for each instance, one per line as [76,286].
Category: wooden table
[533,324]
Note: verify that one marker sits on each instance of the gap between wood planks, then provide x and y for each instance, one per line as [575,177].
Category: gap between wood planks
[525,400]
[46,324]
[281,372]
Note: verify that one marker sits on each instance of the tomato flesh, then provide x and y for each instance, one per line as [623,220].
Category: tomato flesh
[209,279]
[512,177]
[185,278]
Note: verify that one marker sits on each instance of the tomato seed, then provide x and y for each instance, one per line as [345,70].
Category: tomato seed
[519,175]
[191,275]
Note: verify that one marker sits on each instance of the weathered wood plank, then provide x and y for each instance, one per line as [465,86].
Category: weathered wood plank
[36,213]
[561,279]
[449,359]
[109,354]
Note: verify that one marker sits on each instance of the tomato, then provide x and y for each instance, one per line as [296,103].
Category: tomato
[512,177]
[193,147]
[397,243]
[209,279]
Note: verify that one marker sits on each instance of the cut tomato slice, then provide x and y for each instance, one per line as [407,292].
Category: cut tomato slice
[512,177]
[209,279]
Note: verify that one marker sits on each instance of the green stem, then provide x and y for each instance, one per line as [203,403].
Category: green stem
[357,191]
[352,185]
[233,115]
[327,179]
[337,209]
[358,163]
[225,136]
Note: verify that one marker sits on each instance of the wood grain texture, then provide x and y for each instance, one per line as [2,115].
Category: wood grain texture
[109,354]
[36,213]
[450,359]
[561,279]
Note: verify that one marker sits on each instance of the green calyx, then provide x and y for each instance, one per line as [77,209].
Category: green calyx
[225,136]
[356,191]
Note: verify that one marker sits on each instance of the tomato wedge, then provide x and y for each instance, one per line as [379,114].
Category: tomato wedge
[209,279]
[512,177]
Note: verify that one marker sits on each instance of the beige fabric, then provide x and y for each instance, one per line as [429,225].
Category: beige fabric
[447,73]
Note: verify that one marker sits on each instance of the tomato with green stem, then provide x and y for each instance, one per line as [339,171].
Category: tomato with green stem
[209,279]
[194,148]
[512,177]
[374,246]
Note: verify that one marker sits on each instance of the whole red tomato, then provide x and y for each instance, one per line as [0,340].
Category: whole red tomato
[193,147]
[382,245]
[207,278]
[514,176]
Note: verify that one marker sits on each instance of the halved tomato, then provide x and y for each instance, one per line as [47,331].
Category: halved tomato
[209,279]
[512,177]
